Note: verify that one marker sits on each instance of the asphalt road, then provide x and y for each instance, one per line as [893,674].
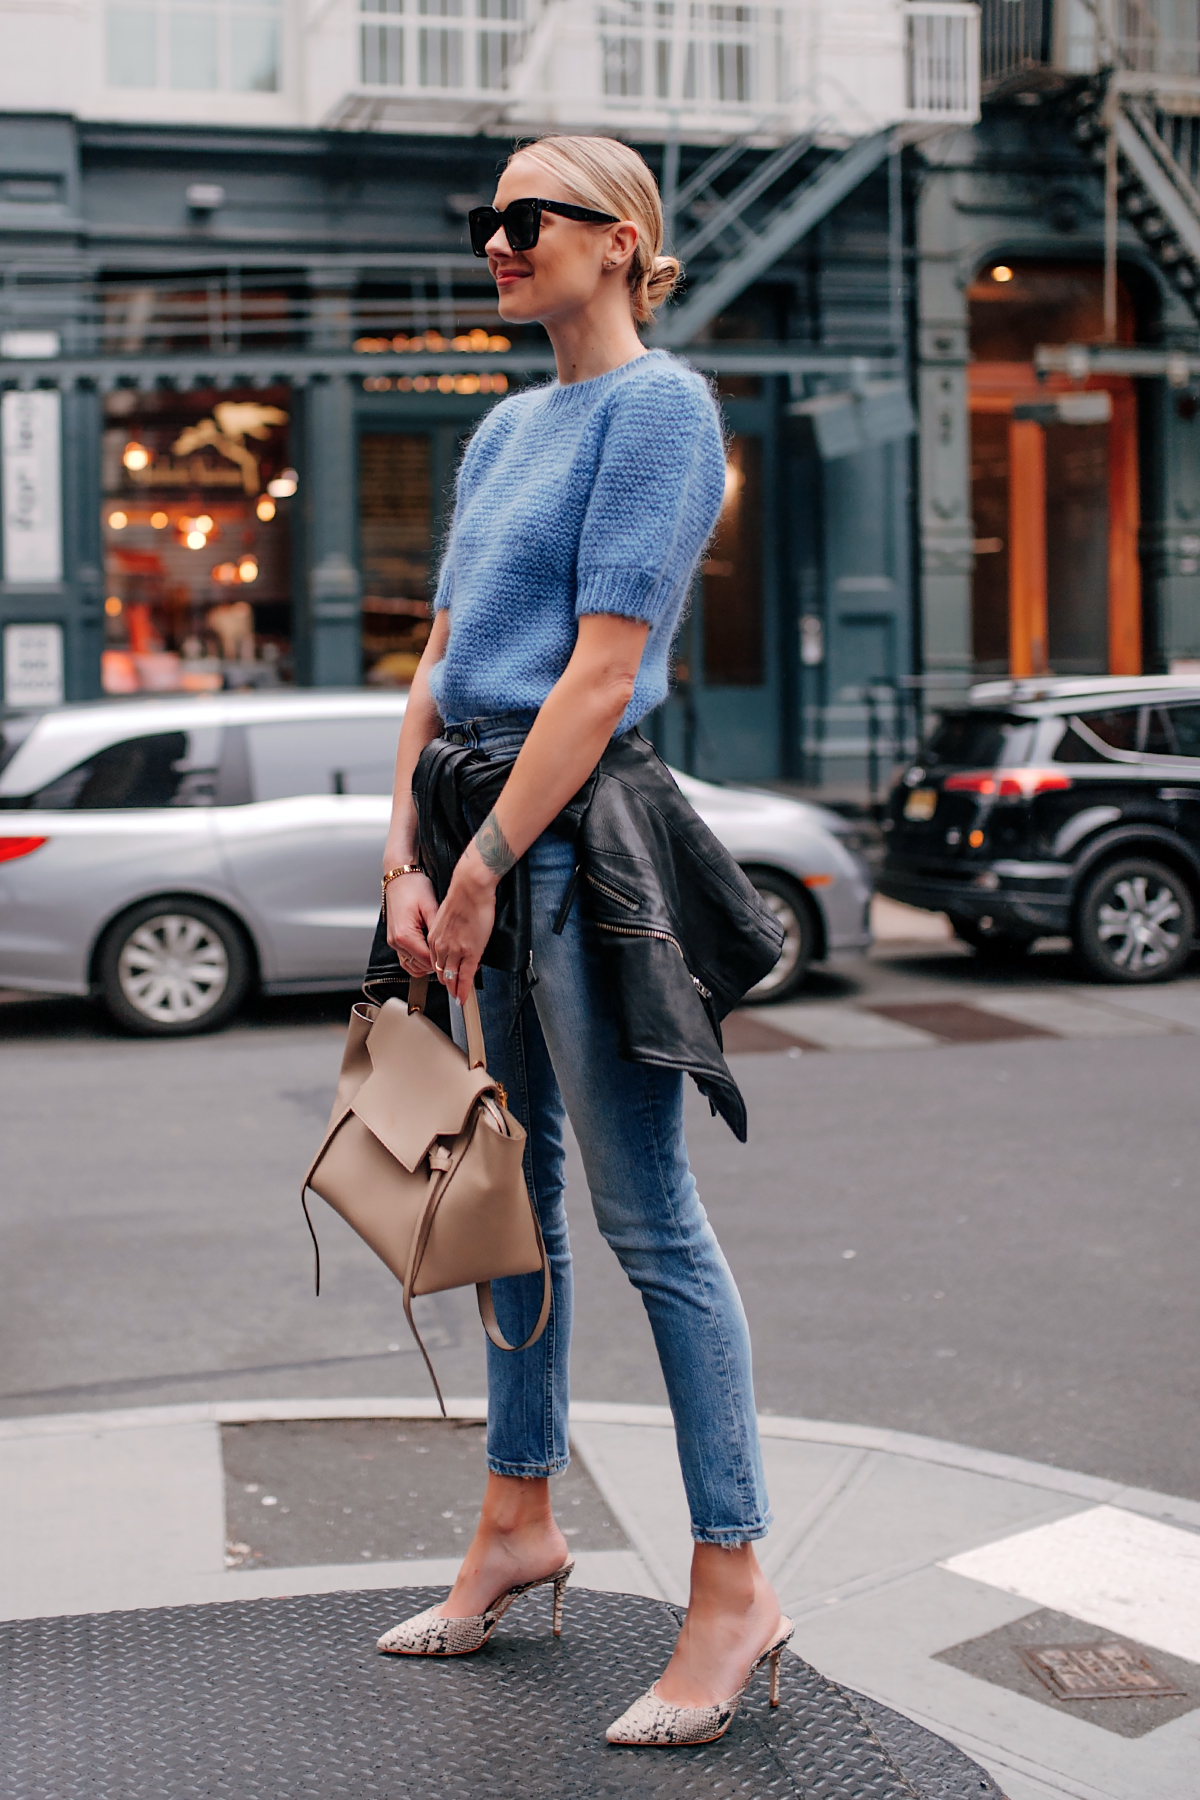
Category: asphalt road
[994,1243]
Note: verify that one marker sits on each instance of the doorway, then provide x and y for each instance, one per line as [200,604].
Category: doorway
[1054,481]
[723,718]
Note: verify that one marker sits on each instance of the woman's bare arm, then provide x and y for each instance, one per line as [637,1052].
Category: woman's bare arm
[411,902]
[565,743]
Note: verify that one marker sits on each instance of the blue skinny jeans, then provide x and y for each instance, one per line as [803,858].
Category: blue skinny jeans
[559,1059]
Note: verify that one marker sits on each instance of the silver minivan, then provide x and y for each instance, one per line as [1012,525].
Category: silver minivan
[167,855]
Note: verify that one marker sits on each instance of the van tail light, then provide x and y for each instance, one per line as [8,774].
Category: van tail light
[13,847]
[1008,784]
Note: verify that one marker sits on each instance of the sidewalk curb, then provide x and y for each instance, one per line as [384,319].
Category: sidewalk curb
[938,1451]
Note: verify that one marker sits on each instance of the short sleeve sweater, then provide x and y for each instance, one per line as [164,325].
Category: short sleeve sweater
[596,497]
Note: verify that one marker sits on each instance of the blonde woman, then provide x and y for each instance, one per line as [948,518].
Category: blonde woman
[582,510]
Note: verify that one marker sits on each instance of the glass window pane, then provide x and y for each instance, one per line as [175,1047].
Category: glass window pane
[323,756]
[192,49]
[171,768]
[1117,726]
[132,58]
[383,55]
[1185,721]
[732,574]
[978,740]
[254,55]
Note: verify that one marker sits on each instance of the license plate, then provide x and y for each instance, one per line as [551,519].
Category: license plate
[921,804]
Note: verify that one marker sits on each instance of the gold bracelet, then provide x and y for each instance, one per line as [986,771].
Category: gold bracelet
[391,874]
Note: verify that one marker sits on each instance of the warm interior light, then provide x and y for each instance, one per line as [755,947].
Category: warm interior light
[203,523]
[498,343]
[733,482]
[247,569]
[118,520]
[284,485]
[265,509]
[160,520]
[136,455]
[975,840]
[1002,272]
[112,606]
[195,540]
[225,573]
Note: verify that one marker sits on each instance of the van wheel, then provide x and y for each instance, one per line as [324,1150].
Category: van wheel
[168,968]
[787,902]
[1136,922]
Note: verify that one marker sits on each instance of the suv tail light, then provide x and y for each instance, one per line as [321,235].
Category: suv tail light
[1008,784]
[13,847]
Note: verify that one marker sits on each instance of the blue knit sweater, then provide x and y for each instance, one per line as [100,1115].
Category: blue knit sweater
[592,498]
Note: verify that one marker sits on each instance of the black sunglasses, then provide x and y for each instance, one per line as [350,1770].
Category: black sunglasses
[522,222]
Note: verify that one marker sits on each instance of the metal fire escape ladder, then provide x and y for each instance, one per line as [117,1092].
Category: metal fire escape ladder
[749,253]
[1157,190]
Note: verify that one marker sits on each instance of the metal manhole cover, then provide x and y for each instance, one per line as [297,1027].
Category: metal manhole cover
[288,1700]
[1108,1670]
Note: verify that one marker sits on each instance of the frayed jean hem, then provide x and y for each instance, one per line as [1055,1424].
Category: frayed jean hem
[731,1537]
[528,1471]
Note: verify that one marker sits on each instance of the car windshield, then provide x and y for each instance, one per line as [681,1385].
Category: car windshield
[978,740]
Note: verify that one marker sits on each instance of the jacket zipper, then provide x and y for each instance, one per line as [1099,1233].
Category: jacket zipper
[664,937]
[612,893]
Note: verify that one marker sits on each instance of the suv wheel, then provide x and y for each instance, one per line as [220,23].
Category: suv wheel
[790,906]
[1136,922]
[171,967]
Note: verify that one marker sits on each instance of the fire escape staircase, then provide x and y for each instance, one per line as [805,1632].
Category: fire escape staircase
[1158,167]
[742,221]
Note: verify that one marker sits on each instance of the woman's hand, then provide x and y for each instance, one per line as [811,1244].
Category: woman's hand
[463,924]
[411,907]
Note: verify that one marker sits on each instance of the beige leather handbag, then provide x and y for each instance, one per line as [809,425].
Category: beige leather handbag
[423,1159]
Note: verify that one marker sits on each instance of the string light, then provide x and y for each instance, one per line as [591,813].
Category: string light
[136,456]
[265,509]
[112,607]
[160,520]
[247,569]
[1002,272]
[118,520]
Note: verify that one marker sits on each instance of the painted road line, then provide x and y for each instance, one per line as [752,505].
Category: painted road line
[1112,1568]
[1070,1017]
[957,1022]
[835,1026]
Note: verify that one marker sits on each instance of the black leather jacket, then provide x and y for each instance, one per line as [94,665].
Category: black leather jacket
[683,934]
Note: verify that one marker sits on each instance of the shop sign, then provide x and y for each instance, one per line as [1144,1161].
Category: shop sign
[29,436]
[33,665]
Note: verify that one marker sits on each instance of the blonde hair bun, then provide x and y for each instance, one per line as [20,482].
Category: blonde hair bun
[611,177]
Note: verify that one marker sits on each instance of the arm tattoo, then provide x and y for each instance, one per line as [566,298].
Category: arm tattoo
[494,847]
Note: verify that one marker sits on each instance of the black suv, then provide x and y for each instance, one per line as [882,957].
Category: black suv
[1059,806]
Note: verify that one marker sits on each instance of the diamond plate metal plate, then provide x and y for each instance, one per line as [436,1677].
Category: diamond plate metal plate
[288,1700]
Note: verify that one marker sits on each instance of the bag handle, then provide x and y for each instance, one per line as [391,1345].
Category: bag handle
[418,995]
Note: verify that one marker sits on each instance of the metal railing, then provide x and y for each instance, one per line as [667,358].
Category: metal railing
[668,64]
[941,60]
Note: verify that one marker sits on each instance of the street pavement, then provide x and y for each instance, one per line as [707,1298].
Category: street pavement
[987,1241]
[964,1228]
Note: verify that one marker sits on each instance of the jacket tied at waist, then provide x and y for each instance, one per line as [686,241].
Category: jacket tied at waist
[683,935]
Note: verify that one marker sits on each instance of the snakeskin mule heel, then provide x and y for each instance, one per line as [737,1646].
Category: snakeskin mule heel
[427,1634]
[652,1720]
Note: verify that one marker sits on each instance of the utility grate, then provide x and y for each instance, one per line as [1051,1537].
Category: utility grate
[288,1700]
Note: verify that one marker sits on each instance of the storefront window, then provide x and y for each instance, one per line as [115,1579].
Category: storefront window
[395,475]
[197,495]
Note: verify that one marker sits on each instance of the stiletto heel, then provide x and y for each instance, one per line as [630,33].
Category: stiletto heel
[654,1721]
[560,1588]
[428,1634]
